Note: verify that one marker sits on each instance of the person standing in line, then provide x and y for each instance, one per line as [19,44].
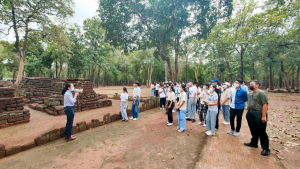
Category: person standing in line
[162,96]
[152,89]
[166,89]
[246,89]
[176,95]
[192,101]
[212,110]
[181,108]
[156,89]
[225,103]
[187,112]
[215,81]
[124,104]
[257,117]
[170,106]
[197,96]
[69,101]
[238,99]
[136,101]
[203,107]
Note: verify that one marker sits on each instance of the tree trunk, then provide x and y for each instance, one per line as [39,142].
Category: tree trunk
[253,71]
[166,58]
[242,62]
[14,75]
[186,69]
[297,79]
[21,69]
[280,80]
[104,73]
[293,79]
[286,78]
[271,78]
[56,69]
[176,57]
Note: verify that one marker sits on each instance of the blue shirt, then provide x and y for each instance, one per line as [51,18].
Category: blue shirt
[238,98]
[176,92]
[69,100]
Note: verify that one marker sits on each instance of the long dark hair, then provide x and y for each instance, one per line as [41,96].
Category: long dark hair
[172,88]
[64,90]
[183,87]
[124,88]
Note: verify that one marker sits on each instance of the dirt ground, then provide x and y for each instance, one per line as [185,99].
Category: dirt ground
[149,143]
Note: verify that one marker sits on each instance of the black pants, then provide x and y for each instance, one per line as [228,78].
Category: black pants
[217,120]
[239,114]
[69,110]
[156,93]
[257,129]
[162,102]
[169,112]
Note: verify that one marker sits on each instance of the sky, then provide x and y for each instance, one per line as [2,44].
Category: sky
[84,9]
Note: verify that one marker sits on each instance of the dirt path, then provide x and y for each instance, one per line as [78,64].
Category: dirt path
[146,143]
[41,122]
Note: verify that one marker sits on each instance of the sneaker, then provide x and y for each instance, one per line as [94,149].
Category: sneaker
[122,120]
[200,122]
[224,122]
[209,133]
[230,132]
[178,127]
[134,119]
[265,152]
[204,125]
[216,129]
[131,118]
[193,121]
[251,145]
[170,124]
[236,134]
[227,123]
[180,131]
[160,108]
[173,111]
[163,109]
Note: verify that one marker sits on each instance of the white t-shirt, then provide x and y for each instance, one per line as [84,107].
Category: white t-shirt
[124,96]
[192,91]
[171,96]
[167,92]
[162,94]
[156,87]
[182,97]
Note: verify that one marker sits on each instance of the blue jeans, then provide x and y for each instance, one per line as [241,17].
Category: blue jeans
[135,108]
[211,118]
[152,92]
[225,110]
[181,119]
[123,111]
[192,108]
[69,111]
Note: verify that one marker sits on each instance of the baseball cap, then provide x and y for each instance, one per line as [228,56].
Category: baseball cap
[215,80]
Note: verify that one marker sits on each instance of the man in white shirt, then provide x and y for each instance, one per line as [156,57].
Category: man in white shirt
[135,101]
[192,101]
[156,89]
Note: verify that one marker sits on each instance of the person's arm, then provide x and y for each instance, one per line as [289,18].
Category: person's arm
[264,113]
[70,98]
[181,104]
[126,101]
[226,99]
[213,104]
[245,97]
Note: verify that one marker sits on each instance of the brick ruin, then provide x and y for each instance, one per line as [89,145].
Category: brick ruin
[12,110]
[45,95]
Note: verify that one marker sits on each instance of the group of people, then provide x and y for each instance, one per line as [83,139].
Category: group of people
[214,97]
[208,101]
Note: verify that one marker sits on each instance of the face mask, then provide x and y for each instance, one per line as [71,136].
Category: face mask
[204,88]
[210,90]
[224,86]
[236,85]
[72,89]
[251,87]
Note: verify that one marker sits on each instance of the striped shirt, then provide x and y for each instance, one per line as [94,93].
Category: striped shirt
[136,92]
[69,100]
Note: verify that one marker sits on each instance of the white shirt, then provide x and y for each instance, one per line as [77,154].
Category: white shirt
[212,98]
[192,91]
[171,96]
[136,92]
[167,93]
[156,87]
[124,96]
[162,94]
[233,93]
[182,97]
[203,96]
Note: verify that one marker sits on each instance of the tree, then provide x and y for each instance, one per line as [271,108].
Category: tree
[25,17]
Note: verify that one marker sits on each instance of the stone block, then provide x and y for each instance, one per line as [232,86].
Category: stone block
[74,130]
[43,139]
[62,132]
[28,146]
[89,125]
[54,135]
[13,150]
[81,126]
[96,123]
[2,151]
[106,118]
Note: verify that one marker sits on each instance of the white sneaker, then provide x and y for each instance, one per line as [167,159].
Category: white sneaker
[227,123]
[134,119]
[236,134]
[173,111]
[209,133]
[230,132]
[180,131]
[204,125]
[200,123]
[163,108]
[160,108]
[170,124]
[224,122]
[131,118]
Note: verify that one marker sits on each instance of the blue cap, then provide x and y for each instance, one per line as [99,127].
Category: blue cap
[215,80]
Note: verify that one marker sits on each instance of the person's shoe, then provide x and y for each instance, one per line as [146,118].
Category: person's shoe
[122,120]
[160,108]
[170,124]
[265,152]
[250,145]
[193,121]
[180,131]
[188,119]
[209,133]
[236,134]
[200,122]
[204,125]
[163,109]
[230,132]
[71,138]
[126,121]
[134,119]
[226,123]
[216,129]
[173,111]
[131,118]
